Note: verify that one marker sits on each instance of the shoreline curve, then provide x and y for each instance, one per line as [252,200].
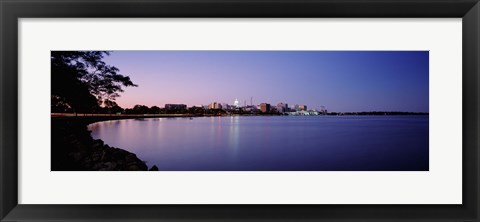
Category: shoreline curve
[74,149]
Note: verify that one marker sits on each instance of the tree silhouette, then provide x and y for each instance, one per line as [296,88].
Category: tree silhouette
[112,107]
[82,81]
[141,109]
[154,110]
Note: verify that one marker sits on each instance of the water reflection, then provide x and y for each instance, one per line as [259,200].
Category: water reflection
[273,143]
[234,135]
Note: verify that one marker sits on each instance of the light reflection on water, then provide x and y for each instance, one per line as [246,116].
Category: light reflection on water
[273,142]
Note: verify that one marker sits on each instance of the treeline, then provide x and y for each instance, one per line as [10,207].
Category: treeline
[375,113]
[142,109]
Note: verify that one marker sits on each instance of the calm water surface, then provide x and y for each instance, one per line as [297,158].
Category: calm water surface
[307,143]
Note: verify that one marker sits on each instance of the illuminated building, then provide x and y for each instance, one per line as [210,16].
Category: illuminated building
[264,107]
[300,107]
[214,105]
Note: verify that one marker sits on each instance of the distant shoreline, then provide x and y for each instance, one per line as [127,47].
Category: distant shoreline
[135,116]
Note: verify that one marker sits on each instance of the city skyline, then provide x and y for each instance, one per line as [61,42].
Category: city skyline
[342,81]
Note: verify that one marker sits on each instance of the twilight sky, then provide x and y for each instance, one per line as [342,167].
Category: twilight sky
[342,81]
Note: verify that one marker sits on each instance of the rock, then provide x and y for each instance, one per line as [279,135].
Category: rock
[77,156]
[98,166]
[154,168]
[120,162]
[73,148]
[96,156]
[133,167]
[109,166]
[104,154]
[131,158]
[143,166]
[99,142]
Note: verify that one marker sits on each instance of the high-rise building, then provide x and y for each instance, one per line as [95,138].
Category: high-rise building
[225,106]
[214,105]
[282,107]
[264,107]
[236,103]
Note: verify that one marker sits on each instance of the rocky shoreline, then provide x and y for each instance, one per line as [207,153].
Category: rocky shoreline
[74,149]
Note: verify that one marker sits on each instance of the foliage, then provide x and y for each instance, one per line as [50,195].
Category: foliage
[83,82]
[142,109]
[155,110]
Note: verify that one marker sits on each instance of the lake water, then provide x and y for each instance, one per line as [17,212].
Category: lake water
[273,143]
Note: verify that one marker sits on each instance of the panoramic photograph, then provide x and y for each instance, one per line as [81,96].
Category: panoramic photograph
[247,110]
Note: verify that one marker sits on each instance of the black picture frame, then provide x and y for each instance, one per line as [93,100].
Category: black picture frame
[11,11]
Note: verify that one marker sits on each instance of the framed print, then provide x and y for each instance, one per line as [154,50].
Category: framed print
[225,110]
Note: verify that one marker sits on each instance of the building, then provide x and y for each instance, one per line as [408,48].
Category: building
[264,107]
[300,107]
[249,108]
[175,107]
[214,105]
[225,106]
[211,105]
[313,112]
[282,107]
[236,103]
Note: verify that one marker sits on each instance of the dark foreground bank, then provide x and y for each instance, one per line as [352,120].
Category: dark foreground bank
[73,148]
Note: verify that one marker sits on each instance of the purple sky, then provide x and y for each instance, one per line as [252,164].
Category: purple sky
[341,81]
